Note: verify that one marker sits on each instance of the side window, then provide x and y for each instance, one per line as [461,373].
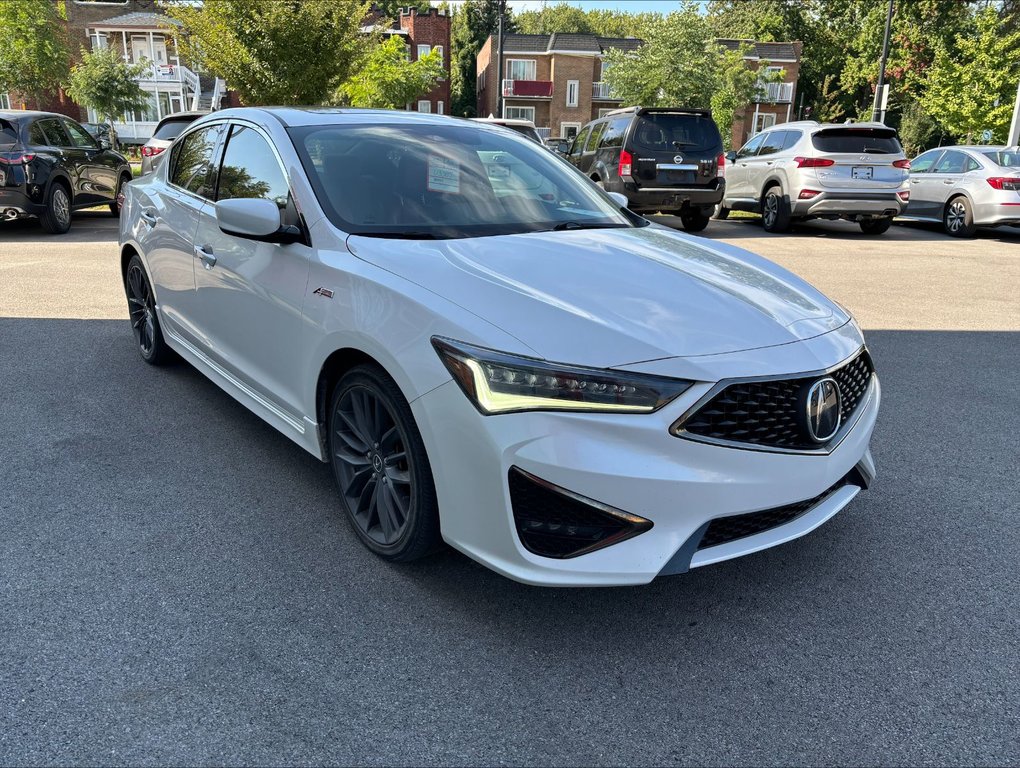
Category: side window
[36,135]
[578,146]
[751,147]
[250,169]
[56,136]
[193,159]
[615,131]
[593,140]
[972,165]
[79,136]
[951,162]
[792,137]
[773,143]
[924,163]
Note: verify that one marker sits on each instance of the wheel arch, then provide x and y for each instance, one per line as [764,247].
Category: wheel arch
[60,177]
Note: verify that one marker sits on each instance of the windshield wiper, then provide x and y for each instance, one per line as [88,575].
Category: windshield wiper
[584,225]
[399,234]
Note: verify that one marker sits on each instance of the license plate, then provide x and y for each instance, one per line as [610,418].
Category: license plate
[862,172]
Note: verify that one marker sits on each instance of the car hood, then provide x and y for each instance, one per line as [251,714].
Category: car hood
[613,297]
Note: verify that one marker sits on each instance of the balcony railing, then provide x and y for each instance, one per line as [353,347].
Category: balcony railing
[602,92]
[777,93]
[536,89]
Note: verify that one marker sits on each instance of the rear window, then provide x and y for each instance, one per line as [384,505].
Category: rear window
[666,132]
[171,129]
[1005,158]
[8,132]
[874,141]
[526,131]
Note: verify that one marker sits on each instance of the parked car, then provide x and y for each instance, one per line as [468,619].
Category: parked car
[662,159]
[51,166]
[966,187]
[550,383]
[523,127]
[168,129]
[808,170]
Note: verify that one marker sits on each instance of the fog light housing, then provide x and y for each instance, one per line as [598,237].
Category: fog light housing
[554,522]
[807,194]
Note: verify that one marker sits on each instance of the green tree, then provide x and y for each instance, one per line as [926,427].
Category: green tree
[104,81]
[34,54]
[562,17]
[391,8]
[973,89]
[471,26]
[389,80]
[275,51]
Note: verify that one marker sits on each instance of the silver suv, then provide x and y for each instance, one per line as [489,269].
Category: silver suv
[808,170]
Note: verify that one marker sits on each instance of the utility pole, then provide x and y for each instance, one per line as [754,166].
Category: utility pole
[501,7]
[878,111]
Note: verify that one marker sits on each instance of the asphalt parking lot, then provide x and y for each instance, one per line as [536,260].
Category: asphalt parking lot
[177,585]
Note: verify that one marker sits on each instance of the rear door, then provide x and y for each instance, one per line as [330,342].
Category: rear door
[674,149]
[922,192]
[587,159]
[863,158]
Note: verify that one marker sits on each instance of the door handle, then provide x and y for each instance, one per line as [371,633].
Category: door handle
[915,181]
[204,252]
[769,162]
[148,215]
[948,181]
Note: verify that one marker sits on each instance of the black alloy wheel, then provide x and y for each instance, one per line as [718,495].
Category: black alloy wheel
[775,214]
[693,219]
[56,219]
[142,312]
[381,468]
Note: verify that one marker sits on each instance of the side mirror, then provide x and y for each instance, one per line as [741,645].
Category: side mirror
[255,219]
[563,147]
[731,156]
[104,143]
[619,199]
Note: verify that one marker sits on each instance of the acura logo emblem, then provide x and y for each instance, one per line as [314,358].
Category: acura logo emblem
[678,159]
[822,410]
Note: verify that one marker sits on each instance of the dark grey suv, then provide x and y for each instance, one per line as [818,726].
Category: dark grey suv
[663,159]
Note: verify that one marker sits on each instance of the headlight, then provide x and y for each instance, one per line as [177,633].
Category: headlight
[500,383]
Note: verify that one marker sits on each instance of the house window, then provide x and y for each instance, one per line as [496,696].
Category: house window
[521,69]
[604,69]
[604,112]
[520,113]
[97,40]
[424,106]
[439,108]
[440,49]
[763,121]
[569,130]
[424,50]
[573,86]
[5,101]
[481,80]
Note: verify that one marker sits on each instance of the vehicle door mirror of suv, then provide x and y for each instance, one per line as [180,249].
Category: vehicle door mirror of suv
[255,219]
[563,147]
[104,142]
[731,156]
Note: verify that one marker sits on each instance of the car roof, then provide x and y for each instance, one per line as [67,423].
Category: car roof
[27,114]
[977,148]
[184,116]
[293,117]
[503,121]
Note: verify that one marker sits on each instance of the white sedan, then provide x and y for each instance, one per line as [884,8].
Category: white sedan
[489,351]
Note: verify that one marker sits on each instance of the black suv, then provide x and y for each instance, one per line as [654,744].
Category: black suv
[50,166]
[663,159]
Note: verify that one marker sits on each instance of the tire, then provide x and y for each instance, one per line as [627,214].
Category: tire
[721,212]
[142,312]
[958,219]
[875,226]
[380,466]
[693,219]
[775,211]
[56,219]
[117,202]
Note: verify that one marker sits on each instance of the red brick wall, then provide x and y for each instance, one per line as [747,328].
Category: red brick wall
[743,123]
[430,29]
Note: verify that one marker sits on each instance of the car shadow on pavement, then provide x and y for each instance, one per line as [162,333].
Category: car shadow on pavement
[87,226]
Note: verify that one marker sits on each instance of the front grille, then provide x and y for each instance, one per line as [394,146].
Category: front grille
[767,413]
[726,529]
[553,522]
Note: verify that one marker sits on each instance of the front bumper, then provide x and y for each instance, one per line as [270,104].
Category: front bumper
[631,463]
[849,203]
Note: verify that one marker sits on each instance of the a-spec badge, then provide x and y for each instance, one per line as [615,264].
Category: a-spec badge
[324,292]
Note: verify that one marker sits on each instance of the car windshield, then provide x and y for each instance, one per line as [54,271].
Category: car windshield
[1007,158]
[873,141]
[669,132]
[427,181]
[171,129]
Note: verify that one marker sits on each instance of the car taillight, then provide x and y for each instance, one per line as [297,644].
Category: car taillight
[807,194]
[721,162]
[904,195]
[15,158]
[905,164]
[626,163]
[813,162]
[1004,182]
[151,151]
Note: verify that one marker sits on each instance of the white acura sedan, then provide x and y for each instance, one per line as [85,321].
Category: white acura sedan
[490,351]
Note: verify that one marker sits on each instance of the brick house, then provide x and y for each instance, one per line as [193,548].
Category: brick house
[421,32]
[556,81]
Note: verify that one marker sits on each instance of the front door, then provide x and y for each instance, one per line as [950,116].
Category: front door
[101,167]
[250,294]
[922,191]
[944,179]
[737,185]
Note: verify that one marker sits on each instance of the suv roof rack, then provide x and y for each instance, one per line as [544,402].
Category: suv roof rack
[639,110]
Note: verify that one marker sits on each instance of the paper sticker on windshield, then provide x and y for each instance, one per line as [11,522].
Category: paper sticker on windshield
[444,175]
